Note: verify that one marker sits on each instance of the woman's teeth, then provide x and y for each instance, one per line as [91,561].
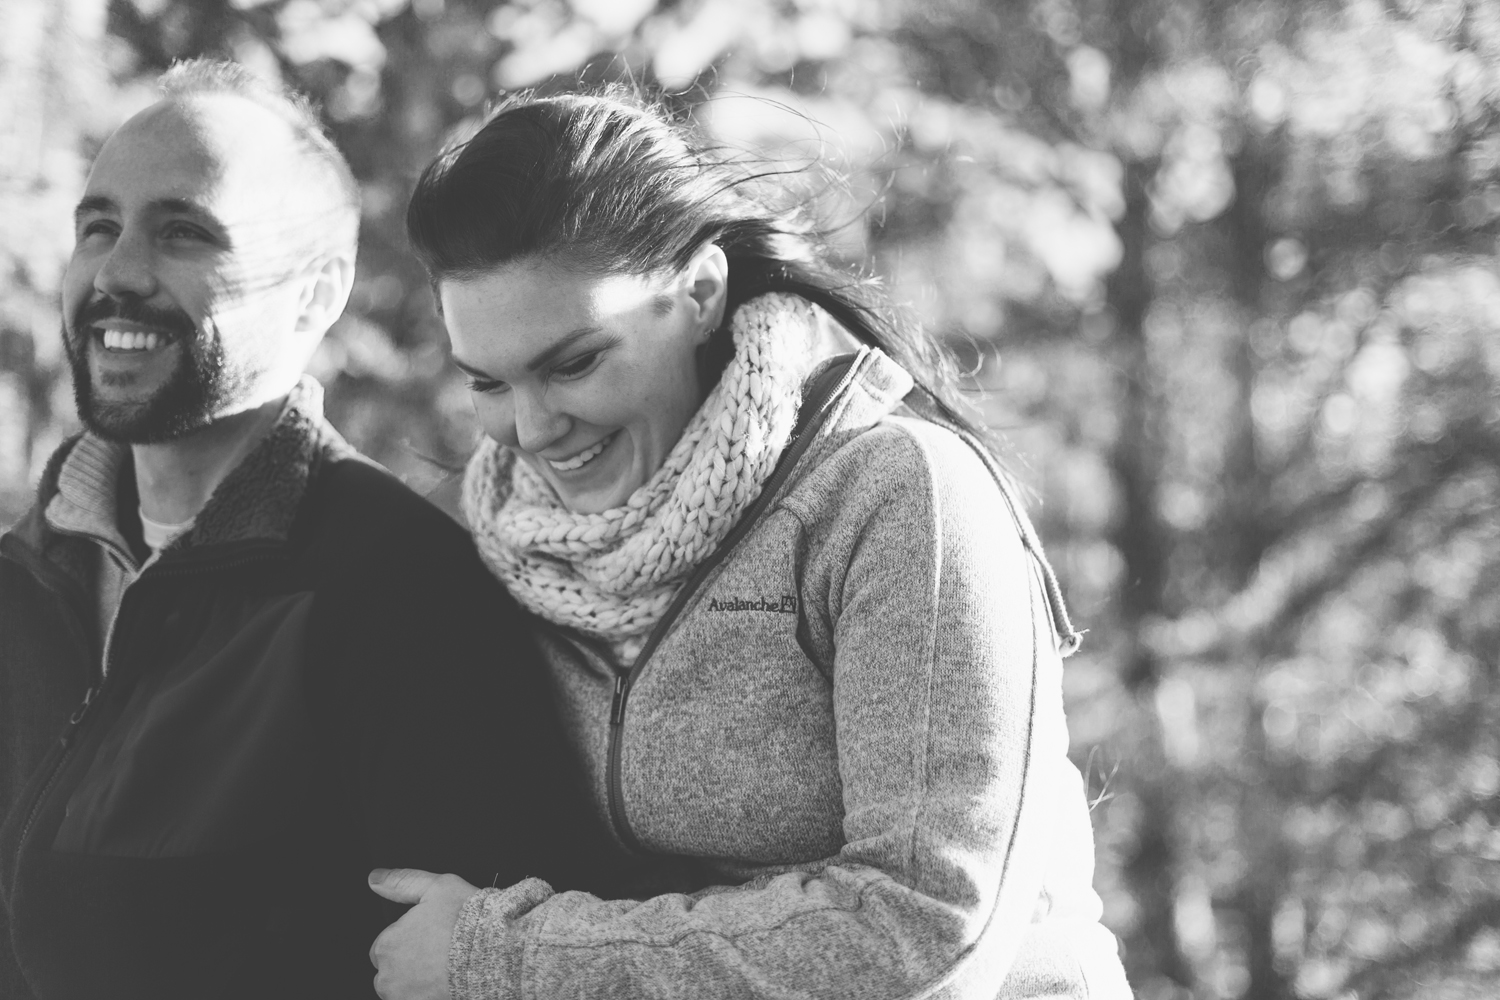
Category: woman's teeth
[121,340]
[583,458]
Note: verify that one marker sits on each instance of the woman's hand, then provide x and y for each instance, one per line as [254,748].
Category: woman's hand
[411,955]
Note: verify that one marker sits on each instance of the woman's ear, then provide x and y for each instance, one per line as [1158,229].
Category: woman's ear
[707,284]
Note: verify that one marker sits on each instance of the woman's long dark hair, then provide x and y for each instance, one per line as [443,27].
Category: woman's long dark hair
[606,184]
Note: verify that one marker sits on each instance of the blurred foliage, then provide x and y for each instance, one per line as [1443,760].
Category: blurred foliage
[1225,273]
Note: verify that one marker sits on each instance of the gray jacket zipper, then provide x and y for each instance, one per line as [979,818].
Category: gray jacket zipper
[815,412]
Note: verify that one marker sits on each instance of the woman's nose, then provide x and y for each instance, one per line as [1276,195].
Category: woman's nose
[538,425]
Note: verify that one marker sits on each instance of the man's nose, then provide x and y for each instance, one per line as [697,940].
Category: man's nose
[538,424]
[128,269]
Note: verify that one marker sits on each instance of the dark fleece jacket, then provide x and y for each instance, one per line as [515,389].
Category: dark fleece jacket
[319,678]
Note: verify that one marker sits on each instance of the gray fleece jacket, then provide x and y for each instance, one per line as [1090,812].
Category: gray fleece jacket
[854,729]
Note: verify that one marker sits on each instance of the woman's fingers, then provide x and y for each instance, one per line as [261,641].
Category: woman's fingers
[402,885]
[411,955]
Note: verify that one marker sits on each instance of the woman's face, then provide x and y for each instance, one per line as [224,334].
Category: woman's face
[591,379]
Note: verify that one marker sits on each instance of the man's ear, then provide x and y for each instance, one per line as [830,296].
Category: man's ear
[707,284]
[329,280]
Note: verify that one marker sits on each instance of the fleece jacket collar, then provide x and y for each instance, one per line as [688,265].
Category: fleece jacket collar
[257,501]
[873,388]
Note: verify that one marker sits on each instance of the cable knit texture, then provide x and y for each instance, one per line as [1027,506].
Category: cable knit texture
[613,574]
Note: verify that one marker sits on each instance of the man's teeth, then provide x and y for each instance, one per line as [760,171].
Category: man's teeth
[121,340]
[583,458]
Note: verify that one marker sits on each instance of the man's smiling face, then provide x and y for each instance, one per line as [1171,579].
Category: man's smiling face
[181,299]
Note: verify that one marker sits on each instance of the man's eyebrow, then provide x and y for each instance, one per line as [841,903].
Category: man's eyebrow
[183,207]
[542,359]
[93,203]
[180,206]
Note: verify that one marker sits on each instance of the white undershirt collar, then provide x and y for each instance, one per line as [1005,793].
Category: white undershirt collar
[157,535]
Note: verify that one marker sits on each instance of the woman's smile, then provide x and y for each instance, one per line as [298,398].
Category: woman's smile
[583,458]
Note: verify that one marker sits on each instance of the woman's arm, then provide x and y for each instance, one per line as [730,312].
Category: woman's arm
[948,709]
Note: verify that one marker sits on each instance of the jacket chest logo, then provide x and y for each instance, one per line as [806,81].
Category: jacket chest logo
[786,604]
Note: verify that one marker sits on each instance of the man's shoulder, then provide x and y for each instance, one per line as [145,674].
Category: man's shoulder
[360,496]
[362,517]
[386,564]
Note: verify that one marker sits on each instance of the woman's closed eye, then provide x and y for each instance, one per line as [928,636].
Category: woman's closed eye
[571,369]
[486,385]
[579,366]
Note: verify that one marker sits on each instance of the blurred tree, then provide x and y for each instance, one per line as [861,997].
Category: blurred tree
[1226,275]
[47,93]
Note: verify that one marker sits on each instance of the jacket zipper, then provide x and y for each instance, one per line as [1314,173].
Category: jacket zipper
[65,747]
[70,732]
[93,695]
[48,579]
[819,399]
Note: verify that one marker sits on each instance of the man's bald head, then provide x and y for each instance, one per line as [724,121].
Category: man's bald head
[324,178]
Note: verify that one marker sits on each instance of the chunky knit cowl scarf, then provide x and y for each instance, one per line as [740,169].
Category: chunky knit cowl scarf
[613,574]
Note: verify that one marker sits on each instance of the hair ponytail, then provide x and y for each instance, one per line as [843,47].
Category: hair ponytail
[607,184]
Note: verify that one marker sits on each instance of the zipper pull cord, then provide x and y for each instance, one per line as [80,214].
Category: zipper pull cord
[82,710]
[77,716]
[617,706]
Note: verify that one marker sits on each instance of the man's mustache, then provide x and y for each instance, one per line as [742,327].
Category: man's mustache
[173,322]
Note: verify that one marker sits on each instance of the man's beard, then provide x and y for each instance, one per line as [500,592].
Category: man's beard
[197,389]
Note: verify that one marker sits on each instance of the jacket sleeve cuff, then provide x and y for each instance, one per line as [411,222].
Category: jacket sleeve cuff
[484,954]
